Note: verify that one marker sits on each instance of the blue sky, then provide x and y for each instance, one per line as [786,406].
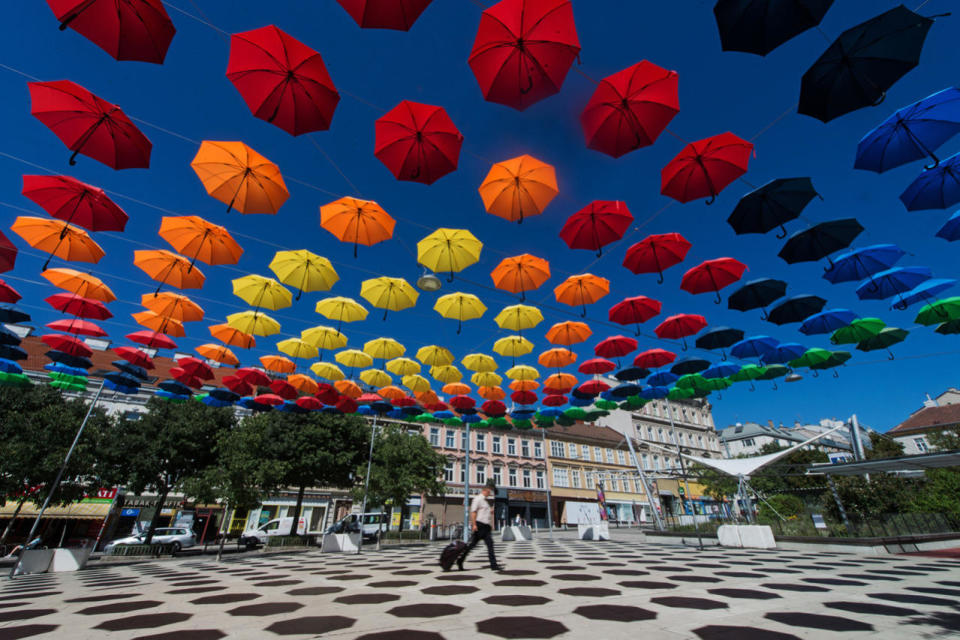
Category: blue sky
[191,99]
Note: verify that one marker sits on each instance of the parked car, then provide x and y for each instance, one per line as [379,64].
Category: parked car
[278,527]
[373,523]
[179,537]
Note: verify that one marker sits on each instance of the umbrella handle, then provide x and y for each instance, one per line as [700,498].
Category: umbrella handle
[763,313]
[719,300]
[890,355]
[459,326]
[385,314]
[73,158]
[713,198]
[583,314]
[299,293]
[684,343]
[815,374]
[660,279]
[752,387]
[354,250]
[781,236]
[450,277]
[523,295]
[637,332]
[775,387]
[879,101]
[836,374]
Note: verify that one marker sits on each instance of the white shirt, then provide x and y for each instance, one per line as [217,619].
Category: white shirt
[481,507]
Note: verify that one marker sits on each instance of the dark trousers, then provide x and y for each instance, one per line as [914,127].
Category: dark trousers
[483,532]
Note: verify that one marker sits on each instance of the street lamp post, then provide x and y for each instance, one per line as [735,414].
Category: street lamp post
[466,487]
[546,480]
[366,484]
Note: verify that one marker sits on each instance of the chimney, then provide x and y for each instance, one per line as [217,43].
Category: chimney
[930,402]
[770,424]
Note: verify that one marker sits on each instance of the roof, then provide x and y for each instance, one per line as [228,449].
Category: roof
[581,432]
[889,465]
[753,430]
[943,416]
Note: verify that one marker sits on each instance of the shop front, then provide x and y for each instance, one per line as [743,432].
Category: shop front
[69,525]
[531,506]
[313,511]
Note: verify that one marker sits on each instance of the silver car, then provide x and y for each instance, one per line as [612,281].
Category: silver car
[179,537]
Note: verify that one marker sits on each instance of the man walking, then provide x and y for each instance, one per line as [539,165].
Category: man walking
[480,524]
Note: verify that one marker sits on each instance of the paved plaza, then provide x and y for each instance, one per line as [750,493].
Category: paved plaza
[550,589]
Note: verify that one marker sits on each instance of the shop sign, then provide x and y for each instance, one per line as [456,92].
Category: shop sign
[415,520]
[395,519]
[525,496]
[101,495]
[128,512]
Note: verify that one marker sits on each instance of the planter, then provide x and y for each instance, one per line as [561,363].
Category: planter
[340,543]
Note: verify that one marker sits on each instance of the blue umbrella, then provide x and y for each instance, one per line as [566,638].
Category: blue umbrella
[720,370]
[950,231]
[892,282]
[863,263]
[121,388]
[176,388]
[12,353]
[624,390]
[56,367]
[754,347]
[785,352]
[122,379]
[71,361]
[130,369]
[827,321]
[911,133]
[662,379]
[689,364]
[167,395]
[936,188]
[411,411]
[925,291]
[654,393]
[551,412]
[9,366]
[253,405]
[471,418]
[576,401]
[365,410]
[396,414]
[522,414]
[212,401]
[444,415]
[330,410]
[290,406]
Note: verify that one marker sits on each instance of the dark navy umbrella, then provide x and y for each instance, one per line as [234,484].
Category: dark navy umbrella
[950,231]
[689,364]
[863,263]
[167,395]
[785,352]
[224,395]
[795,309]
[719,338]
[757,294]
[866,60]
[760,26]
[923,292]
[176,388]
[662,379]
[130,369]
[892,282]
[576,401]
[720,370]
[253,405]
[470,417]
[625,390]
[11,352]
[13,316]
[820,240]
[292,407]
[911,133]
[951,327]
[936,188]
[827,321]
[381,406]
[754,347]
[772,205]
[122,379]
[654,393]
[71,361]
[121,388]
[631,373]
[9,338]
[550,412]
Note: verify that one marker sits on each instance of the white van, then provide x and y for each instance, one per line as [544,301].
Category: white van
[277,527]
[373,524]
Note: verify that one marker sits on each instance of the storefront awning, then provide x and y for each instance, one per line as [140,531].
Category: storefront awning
[77,510]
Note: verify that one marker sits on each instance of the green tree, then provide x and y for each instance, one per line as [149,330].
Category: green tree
[783,505]
[946,440]
[37,427]
[788,474]
[941,492]
[883,446]
[717,485]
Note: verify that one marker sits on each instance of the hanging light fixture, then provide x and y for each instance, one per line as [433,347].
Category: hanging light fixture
[793,377]
[428,282]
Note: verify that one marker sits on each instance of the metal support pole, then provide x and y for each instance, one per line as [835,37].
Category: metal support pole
[546,481]
[646,486]
[106,518]
[840,508]
[366,484]
[742,490]
[466,489]
[683,473]
[857,441]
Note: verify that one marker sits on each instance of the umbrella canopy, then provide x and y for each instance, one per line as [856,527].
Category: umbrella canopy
[479,362]
[485,379]
[760,26]
[785,352]
[719,338]
[712,275]
[278,364]
[130,30]
[559,383]
[863,263]
[77,327]
[688,365]
[153,339]
[936,188]
[827,321]
[595,366]
[8,293]
[389,294]
[492,392]
[950,327]
[866,60]
[679,327]
[201,240]
[73,201]
[253,322]
[950,231]
[820,240]
[417,142]
[57,238]
[523,50]
[449,250]
[304,270]
[940,311]
[519,274]
[385,14]
[568,333]
[282,80]
[630,109]
[341,309]
[662,379]
[704,168]
[357,221]
[354,358]
[67,344]
[135,356]
[597,225]
[615,347]
[239,177]
[327,371]
[232,336]
[62,358]
[518,317]
[8,253]
[456,389]
[459,306]
[297,348]
[772,205]
[634,311]
[262,293]
[911,133]
[173,305]
[384,349]
[581,290]
[79,306]
[654,358]
[857,331]
[434,355]
[79,283]
[523,372]
[811,358]
[631,373]
[375,377]
[89,125]
[656,252]
[403,366]
[892,282]
[513,346]
[167,267]
[416,383]
[519,187]
[15,316]
[159,323]
[446,373]
[887,337]
[924,291]
[218,353]
[754,347]
[557,357]
[324,338]
[796,309]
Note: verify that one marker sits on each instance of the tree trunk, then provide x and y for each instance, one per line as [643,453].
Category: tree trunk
[13,519]
[379,526]
[161,498]
[296,511]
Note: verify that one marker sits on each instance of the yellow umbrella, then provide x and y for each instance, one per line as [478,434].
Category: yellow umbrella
[324,338]
[460,306]
[384,349]
[389,294]
[327,371]
[304,270]
[513,346]
[262,293]
[434,356]
[353,358]
[446,373]
[479,362]
[449,250]
[518,317]
[297,348]
[253,322]
[341,309]
[376,377]
[403,366]
[522,372]
[486,379]
[416,383]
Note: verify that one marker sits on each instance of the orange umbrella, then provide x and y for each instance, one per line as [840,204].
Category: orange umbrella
[556,358]
[167,267]
[348,388]
[80,284]
[519,274]
[303,383]
[357,221]
[426,397]
[218,353]
[560,381]
[278,364]
[202,240]
[491,393]
[568,333]
[172,305]
[581,290]
[392,393]
[518,187]
[57,238]
[456,389]
[234,337]
[524,385]
[160,324]
[239,177]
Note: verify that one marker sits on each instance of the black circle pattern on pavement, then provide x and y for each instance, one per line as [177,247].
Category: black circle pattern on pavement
[517,600]
[226,598]
[817,621]
[872,608]
[618,613]
[367,598]
[314,591]
[722,632]
[678,602]
[26,631]
[185,634]
[521,627]
[746,594]
[120,607]
[402,634]
[425,610]
[265,609]
[24,614]
[145,621]
[312,625]
[450,590]
[590,592]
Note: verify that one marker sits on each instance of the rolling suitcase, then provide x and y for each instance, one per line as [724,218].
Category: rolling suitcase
[450,554]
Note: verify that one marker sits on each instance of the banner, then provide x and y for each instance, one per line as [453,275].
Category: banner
[602,501]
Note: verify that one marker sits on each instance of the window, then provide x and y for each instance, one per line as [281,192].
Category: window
[696,418]
[540,480]
[525,448]
[656,462]
[463,474]
[449,442]
[644,462]
[434,437]
[683,438]
[575,477]
[572,450]
[614,484]
[448,471]
[537,450]
[700,440]
[556,449]
[481,473]
[585,452]
[512,477]
[660,435]
[597,456]
[526,478]
[496,445]
[921,444]
[748,442]
[621,457]
[511,447]
[463,440]
[590,480]
[609,456]
[497,475]
[481,442]
[560,477]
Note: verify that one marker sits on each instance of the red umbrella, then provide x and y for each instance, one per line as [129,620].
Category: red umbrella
[67,344]
[554,400]
[127,30]
[385,14]
[77,327]
[237,385]
[89,125]
[8,253]
[712,275]
[152,339]
[634,311]
[282,80]
[68,199]
[8,293]
[271,399]
[656,253]
[405,401]
[615,347]
[593,387]
[309,403]
[369,398]
[253,376]
[680,326]
[284,389]
[196,367]
[493,408]
[654,358]
[327,393]
[596,365]
[135,356]
[596,225]
[183,377]
[630,109]
[703,168]
[524,397]
[462,402]
[346,404]
[79,306]
[436,406]
[417,142]
[523,50]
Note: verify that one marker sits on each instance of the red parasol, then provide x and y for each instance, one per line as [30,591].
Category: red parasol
[284,389]
[152,339]
[8,293]
[127,30]
[593,387]
[615,347]
[656,253]
[654,358]
[253,376]
[680,326]
[271,399]
[596,365]
[634,311]
[369,398]
[385,14]
[493,408]
[555,400]
[462,402]
[712,275]
[309,403]
[67,344]
[76,202]
[77,327]
[524,397]
[89,125]
[703,168]
[8,253]
[79,306]
[184,377]
[327,393]
[417,142]
[196,367]
[597,225]
[346,404]
[237,385]
[135,356]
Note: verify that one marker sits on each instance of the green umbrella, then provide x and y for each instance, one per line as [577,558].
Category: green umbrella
[605,404]
[857,331]
[939,311]
[522,424]
[481,424]
[453,422]
[565,421]
[748,372]
[884,340]
[774,371]
[692,381]
[593,416]
[836,359]
[423,417]
[949,328]
[677,393]
[811,358]
[66,378]
[499,423]
[719,384]
[21,380]
[633,403]
[575,413]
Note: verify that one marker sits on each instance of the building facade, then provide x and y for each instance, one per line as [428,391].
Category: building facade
[937,415]
[750,438]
